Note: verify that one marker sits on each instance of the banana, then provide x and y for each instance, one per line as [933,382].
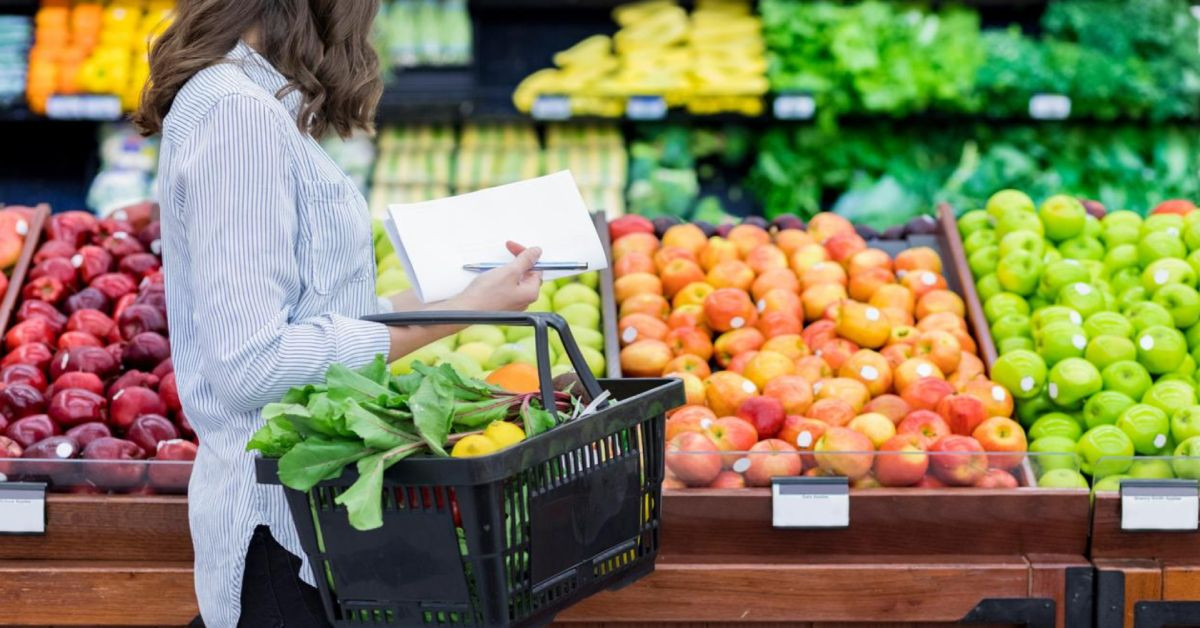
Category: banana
[584,52]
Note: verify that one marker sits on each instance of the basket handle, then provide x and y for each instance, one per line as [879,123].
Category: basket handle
[540,321]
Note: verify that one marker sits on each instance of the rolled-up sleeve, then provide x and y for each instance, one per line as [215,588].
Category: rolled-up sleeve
[242,230]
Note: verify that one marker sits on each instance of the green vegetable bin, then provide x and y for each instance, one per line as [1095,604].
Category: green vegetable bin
[508,539]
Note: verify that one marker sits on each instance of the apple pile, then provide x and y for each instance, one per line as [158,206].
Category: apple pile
[811,351]
[480,349]
[1096,318]
[86,369]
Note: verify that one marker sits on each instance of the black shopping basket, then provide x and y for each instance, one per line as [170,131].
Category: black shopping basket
[508,539]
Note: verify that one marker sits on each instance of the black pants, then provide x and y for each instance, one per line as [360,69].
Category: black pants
[273,595]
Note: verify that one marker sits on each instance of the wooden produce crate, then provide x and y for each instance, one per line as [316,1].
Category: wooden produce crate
[1143,579]
[16,280]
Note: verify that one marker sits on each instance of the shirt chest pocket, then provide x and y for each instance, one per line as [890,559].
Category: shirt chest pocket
[335,245]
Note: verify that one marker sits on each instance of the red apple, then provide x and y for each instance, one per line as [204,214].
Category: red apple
[923,422]
[766,414]
[1000,435]
[843,451]
[171,469]
[770,458]
[958,460]
[733,435]
[963,413]
[693,458]
[803,433]
[728,479]
[997,478]
[902,460]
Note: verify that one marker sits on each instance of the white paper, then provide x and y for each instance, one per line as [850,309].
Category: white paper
[22,511]
[435,239]
[798,508]
[1160,512]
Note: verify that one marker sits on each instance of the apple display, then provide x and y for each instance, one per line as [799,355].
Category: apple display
[1105,407]
[1105,450]
[1147,427]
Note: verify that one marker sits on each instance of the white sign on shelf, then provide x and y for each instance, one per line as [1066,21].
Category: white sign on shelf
[645,108]
[810,503]
[83,107]
[795,107]
[22,508]
[551,107]
[1160,505]
[1049,107]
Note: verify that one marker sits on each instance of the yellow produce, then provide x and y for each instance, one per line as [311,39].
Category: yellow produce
[504,434]
[473,446]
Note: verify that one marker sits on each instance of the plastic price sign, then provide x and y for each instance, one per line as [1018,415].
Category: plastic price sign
[551,107]
[810,503]
[1160,505]
[84,107]
[22,508]
[795,107]
[646,108]
[1049,107]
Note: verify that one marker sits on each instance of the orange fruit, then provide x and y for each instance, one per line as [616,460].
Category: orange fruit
[515,378]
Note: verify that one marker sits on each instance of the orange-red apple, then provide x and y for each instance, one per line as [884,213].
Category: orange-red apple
[807,256]
[999,435]
[731,274]
[823,272]
[679,274]
[871,369]
[941,348]
[863,325]
[689,341]
[864,284]
[725,391]
[874,426]
[775,324]
[844,246]
[731,434]
[653,304]
[716,251]
[997,478]
[774,279]
[692,457]
[747,237]
[766,257]
[728,479]
[919,258]
[913,369]
[813,368]
[926,393]
[691,315]
[645,358]
[849,390]
[922,282]
[803,432]
[834,412]
[963,413]
[936,301]
[893,295]
[635,242]
[635,327]
[685,236]
[818,298]
[843,451]
[902,460]
[958,460]
[791,345]
[771,458]
[997,401]
[635,262]
[825,225]
[789,240]
[729,308]
[793,391]
[731,344]
[688,363]
[924,422]
[766,366]
[890,406]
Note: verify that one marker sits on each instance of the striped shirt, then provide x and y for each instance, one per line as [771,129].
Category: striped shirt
[269,264]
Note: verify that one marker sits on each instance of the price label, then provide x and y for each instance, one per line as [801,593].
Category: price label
[22,508]
[1160,505]
[646,108]
[1050,107]
[552,107]
[795,107]
[810,503]
[84,107]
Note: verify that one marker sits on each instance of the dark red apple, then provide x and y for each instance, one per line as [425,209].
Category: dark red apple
[21,400]
[32,429]
[149,430]
[75,406]
[54,450]
[123,304]
[113,225]
[76,227]
[87,299]
[121,244]
[92,261]
[36,354]
[88,432]
[23,374]
[766,414]
[137,319]
[117,463]
[53,248]
[145,351]
[59,268]
[132,378]
[78,379]
[169,392]
[185,426]
[139,264]
[94,322]
[115,350]
[164,367]
[139,215]
[73,339]
[46,289]
[34,330]
[170,470]
[43,310]
[131,403]
[86,359]
[114,285]
[150,237]
[155,278]
[153,294]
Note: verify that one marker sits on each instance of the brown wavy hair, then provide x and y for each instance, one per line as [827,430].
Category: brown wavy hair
[323,47]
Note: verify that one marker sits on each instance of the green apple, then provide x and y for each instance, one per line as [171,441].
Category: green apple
[391,281]
[1073,380]
[978,240]
[429,354]
[1105,450]
[530,346]
[581,315]
[1126,279]
[1147,314]
[1182,301]
[1121,227]
[1096,272]
[1152,469]
[541,304]
[1187,462]
[1110,484]
[562,281]
[1004,303]
[1008,201]
[1166,271]
[1051,255]
[1121,256]
[1019,272]
[548,289]
[1062,478]
[1170,223]
[1192,335]
[1161,349]
[1018,221]
[1081,248]
[1037,301]
[591,280]
[1146,426]
[1023,373]
[1062,216]
[1029,410]
[1193,260]
[988,286]
[1108,324]
[1170,395]
[389,262]
[463,364]
[1185,423]
[1056,424]
[1027,241]
[1129,378]
[594,359]
[511,353]
[1191,235]
[585,337]
[1054,314]
[1016,343]
[1159,245]
[1092,227]
[1082,298]
[1059,341]
[972,221]
[1011,325]
[1105,407]
[561,369]
[1186,369]
[984,261]
[516,332]
[575,293]
[480,352]
[1053,452]
[1105,349]
[487,334]
[1061,273]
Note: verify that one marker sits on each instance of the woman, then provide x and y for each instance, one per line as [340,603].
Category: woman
[269,263]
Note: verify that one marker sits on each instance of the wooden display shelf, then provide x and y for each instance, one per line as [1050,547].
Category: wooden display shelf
[16,279]
[1143,579]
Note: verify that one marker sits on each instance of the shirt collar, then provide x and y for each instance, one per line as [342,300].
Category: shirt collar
[259,70]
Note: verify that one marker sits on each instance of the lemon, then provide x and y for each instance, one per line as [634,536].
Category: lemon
[472,446]
[504,434]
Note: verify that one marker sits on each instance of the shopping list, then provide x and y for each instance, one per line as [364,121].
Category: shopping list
[435,239]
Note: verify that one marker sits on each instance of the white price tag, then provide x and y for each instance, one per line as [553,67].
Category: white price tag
[1163,505]
[804,502]
[551,108]
[646,108]
[1049,107]
[795,107]
[22,508]
[83,107]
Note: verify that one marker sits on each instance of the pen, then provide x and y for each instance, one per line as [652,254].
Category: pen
[569,266]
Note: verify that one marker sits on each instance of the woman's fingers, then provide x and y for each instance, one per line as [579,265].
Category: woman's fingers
[514,248]
[526,260]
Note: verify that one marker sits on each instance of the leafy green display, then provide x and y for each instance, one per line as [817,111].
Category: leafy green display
[373,420]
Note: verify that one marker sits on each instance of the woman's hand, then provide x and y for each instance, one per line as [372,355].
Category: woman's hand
[507,289]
